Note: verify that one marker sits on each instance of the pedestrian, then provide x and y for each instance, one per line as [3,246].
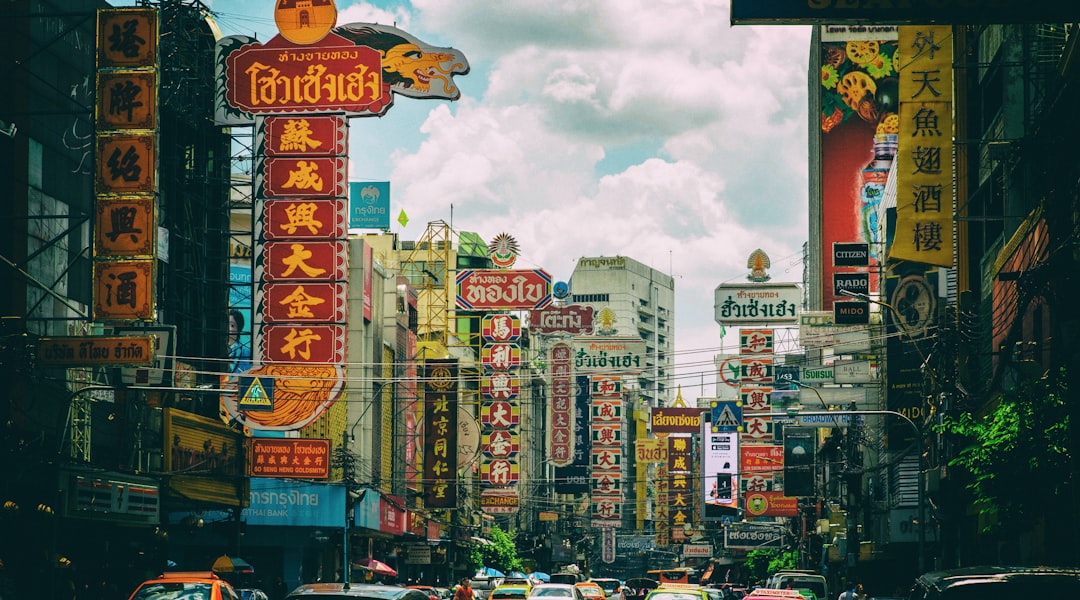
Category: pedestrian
[853,593]
[464,591]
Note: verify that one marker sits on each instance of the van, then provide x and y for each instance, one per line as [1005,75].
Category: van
[800,580]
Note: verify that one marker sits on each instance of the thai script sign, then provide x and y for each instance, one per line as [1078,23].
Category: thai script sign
[295,458]
[676,420]
[490,289]
[749,535]
[89,351]
[609,354]
[573,319]
[760,303]
[771,504]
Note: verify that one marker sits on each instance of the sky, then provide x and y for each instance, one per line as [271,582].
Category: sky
[651,129]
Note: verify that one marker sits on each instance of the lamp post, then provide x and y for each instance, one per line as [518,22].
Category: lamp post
[920,490]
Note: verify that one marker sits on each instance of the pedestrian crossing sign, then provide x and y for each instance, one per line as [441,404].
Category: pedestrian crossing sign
[256,393]
[726,416]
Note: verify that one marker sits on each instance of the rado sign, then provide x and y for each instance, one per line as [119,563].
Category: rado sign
[851,284]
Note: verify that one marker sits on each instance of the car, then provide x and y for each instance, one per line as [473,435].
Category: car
[431,591]
[774,594]
[367,591]
[801,580]
[612,587]
[252,594]
[997,583]
[636,588]
[185,585]
[511,590]
[591,590]
[482,586]
[556,590]
[678,591]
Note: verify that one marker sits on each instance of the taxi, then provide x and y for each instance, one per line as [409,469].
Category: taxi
[517,590]
[775,594]
[193,585]
[679,591]
[591,590]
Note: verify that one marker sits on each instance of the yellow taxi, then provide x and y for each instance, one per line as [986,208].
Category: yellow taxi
[189,585]
[591,590]
[516,590]
[678,591]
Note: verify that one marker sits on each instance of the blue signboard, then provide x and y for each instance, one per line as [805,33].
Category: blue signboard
[369,205]
[726,416]
[285,502]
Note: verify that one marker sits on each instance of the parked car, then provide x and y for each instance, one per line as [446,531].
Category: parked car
[482,586]
[636,588]
[431,591]
[997,583]
[185,585]
[366,591]
[801,580]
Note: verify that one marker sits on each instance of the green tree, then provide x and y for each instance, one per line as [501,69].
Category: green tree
[501,554]
[1017,455]
[763,562]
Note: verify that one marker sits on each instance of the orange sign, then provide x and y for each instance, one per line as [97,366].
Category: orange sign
[771,504]
[301,458]
[315,177]
[124,227]
[313,135]
[125,164]
[127,37]
[304,343]
[305,261]
[294,302]
[305,219]
[124,290]
[96,350]
[126,100]
[305,22]
[302,393]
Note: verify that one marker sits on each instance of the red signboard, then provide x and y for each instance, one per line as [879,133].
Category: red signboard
[305,219]
[761,458]
[314,177]
[573,319]
[294,302]
[290,457]
[305,261]
[500,443]
[499,472]
[500,357]
[391,517]
[500,385]
[500,415]
[309,135]
[771,504]
[491,289]
[304,343]
[501,328]
[333,74]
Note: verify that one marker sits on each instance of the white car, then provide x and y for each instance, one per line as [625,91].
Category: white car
[556,591]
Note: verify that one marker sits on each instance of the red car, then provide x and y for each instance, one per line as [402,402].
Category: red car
[433,594]
[186,585]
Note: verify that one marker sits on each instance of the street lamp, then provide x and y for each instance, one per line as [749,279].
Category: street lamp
[921,489]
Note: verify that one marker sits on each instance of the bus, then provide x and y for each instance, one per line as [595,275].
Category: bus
[675,575]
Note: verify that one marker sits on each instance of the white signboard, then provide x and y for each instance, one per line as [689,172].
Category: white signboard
[852,371]
[818,329]
[608,354]
[757,304]
[697,551]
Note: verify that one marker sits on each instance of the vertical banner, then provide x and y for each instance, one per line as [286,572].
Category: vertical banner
[574,478]
[859,130]
[924,187]
[440,433]
[680,492]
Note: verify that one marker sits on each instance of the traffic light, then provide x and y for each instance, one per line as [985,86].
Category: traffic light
[799,459]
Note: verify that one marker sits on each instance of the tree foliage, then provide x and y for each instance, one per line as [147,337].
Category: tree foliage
[1017,456]
[762,562]
[501,555]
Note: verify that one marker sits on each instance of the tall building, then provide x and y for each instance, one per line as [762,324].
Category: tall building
[630,298]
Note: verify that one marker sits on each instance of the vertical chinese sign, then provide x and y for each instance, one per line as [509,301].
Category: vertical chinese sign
[757,380]
[924,190]
[562,407]
[500,413]
[607,461]
[440,388]
[125,223]
[680,491]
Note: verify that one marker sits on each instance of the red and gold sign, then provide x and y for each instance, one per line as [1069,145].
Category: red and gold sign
[762,458]
[496,501]
[127,37]
[126,100]
[500,357]
[500,443]
[290,302]
[492,289]
[304,135]
[125,227]
[305,22]
[314,177]
[331,75]
[440,433]
[123,290]
[305,261]
[500,414]
[302,393]
[500,328]
[500,385]
[126,164]
[499,472]
[298,458]
[304,343]
[305,219]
